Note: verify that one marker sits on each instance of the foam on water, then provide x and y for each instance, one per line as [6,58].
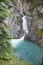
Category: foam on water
[15,42]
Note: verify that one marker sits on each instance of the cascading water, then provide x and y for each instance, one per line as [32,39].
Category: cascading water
[25,28]
[15,42]
[25,50]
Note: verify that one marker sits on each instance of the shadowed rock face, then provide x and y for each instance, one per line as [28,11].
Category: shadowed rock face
[32,38]
[42,60]
[27,37]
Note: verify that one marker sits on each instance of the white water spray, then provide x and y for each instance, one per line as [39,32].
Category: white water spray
[25,27]
[15,42]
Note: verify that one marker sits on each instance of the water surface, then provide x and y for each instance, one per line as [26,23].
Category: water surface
[28,52]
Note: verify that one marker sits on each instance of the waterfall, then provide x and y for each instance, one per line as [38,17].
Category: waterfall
[15,42]
[25,27]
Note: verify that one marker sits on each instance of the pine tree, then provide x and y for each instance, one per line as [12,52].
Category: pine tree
[5,46]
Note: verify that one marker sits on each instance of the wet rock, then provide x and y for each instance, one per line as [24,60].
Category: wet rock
[42,61]
[30,37]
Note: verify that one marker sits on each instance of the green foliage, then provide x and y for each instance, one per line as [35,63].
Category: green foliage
[33,4]
[7,55]
[14,61]
[40,15]
[5,46]
[4,12]
[39,34]
[5,1]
